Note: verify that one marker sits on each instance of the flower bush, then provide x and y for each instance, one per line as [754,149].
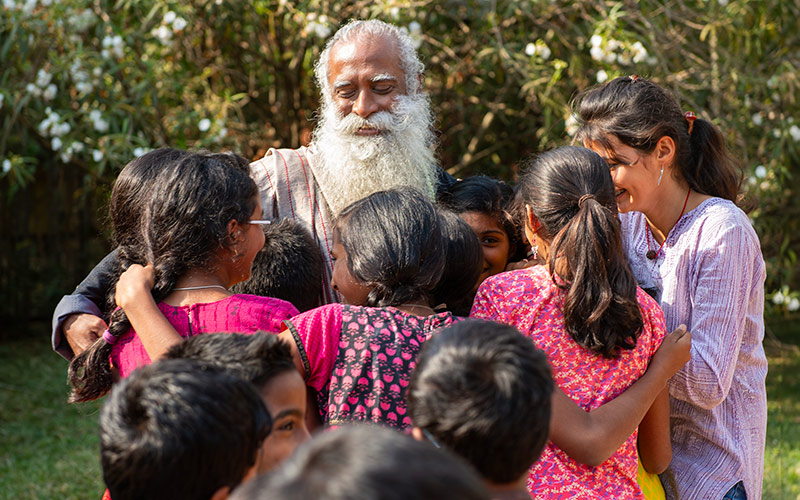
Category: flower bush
[87,85]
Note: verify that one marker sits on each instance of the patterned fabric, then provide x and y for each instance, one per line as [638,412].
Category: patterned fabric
[235,314]
[360,359]
[650,484]
[710,276]
[529,300]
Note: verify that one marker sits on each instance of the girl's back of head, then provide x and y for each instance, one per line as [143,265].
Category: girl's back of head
[571,196]
[639,113]
[393,243]
[183,225]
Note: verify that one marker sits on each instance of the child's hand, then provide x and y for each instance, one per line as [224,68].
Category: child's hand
[134,285]
[675,351]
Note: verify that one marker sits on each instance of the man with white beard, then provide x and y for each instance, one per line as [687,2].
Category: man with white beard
[375,132]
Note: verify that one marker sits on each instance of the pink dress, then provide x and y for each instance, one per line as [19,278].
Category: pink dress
[235,314]
[529,300]
[359,359]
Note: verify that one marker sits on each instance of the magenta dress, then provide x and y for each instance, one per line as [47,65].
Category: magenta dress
[529,300]
[235,314]
[359,359]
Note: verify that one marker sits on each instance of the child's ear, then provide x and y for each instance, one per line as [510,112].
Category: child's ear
[416,433]
[222,493]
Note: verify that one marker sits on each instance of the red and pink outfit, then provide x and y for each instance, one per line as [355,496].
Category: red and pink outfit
[529,300]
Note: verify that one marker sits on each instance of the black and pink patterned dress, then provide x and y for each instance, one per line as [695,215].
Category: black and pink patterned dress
[359,359]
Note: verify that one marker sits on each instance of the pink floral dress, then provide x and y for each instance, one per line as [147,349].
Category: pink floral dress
[529,300]
[359,359]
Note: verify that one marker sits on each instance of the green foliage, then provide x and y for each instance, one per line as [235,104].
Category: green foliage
[89,84]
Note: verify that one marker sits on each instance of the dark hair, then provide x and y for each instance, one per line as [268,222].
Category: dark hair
[256,358]
[484,391]
[463,265]
[570,192]
[184,222]
[490,197]
[366,462]
[639,113]
[393,243]
[179,429]
[289,267]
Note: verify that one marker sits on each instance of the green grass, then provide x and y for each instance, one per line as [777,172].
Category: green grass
[49,449]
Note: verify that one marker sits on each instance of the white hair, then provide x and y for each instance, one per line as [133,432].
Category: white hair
[373,28]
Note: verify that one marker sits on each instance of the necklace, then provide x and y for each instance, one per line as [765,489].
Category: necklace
[198,288]
[650,253]
[417,306]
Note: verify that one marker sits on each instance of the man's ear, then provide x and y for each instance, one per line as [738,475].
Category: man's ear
[416,433]
[222,493]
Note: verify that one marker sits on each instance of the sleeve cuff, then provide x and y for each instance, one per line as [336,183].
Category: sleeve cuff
[70,304]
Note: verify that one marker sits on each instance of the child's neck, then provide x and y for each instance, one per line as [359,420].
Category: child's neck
[515,490]
[198,286]
[418,307]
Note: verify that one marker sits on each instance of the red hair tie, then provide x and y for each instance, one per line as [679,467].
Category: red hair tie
[634,78]
[690,117]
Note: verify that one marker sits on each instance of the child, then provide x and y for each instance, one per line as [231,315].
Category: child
[463,266]
[180,429]
[367,462]
[483,391]
[687,241]
[289,267]
[358,356]
[200,232]
[583,309]
[266,362]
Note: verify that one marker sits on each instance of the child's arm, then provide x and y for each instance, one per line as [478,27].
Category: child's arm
[134,297]
[592,437]
[655,448]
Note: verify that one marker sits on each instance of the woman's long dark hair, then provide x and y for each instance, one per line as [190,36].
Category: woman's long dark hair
[570,192]
[639,113]
[183,223]
[394,244]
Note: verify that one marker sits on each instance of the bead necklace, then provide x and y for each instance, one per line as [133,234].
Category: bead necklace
[653,254]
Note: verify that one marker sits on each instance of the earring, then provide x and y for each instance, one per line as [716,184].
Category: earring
[660,175]
[534,249]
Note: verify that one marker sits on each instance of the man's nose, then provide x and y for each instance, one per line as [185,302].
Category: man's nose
[365,104]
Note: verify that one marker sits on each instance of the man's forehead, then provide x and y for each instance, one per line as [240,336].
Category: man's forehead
[377,54]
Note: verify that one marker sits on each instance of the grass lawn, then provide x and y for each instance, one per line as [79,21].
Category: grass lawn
[49,449]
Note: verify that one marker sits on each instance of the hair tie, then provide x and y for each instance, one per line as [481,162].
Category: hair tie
[109,338]
[690,117]
[634,78]
[584,198]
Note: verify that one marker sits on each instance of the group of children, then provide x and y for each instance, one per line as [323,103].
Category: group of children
[574,406]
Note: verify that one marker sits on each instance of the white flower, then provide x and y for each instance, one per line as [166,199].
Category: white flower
[794,304]
[609,56]
[10,4]
[50,92]
[571,124]
[757,119]
[639,52]
[76,147]
[318,28]
[55,143]
[778,298]
[776,133]
[602,76]
[101,125]
[97,155]
[394,12]
[597,53]
[33,90]
[204,125]
[97,71]
[723,2]
[6,165]
[596,40]
[530,49]
[794,131]
[623,59]
[761,171]
[544,51]
[84,87]
[169,17]
[2,98]
[179,24]
[772,82]
[81,21]
[223,132]
[43,78]
[414,27]
[163,34]
[29,7]
[60,129]
[140,151]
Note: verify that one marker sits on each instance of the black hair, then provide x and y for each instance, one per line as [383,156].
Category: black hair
[179,429]
[570,192]
[463,265]
[394,244]
[371,462]
[183,225]
[482,390]
[256,358]
[289,267]
[490,197]
[639,113]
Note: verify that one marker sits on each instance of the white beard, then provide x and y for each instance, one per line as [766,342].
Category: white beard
[351,167]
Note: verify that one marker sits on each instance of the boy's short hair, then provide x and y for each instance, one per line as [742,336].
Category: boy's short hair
[256,358]
[363,461]
[289,267]
[179,429]
[483,390]
[463,265]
